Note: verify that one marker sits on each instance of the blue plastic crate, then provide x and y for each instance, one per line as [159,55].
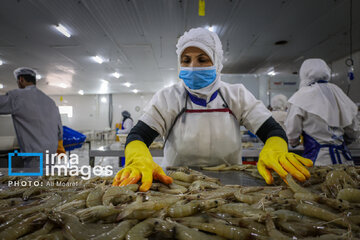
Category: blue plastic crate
[72,139]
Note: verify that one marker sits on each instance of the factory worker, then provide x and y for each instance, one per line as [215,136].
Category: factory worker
[279,107]
[323,115]
[35,116]
[200,118]
[127,123]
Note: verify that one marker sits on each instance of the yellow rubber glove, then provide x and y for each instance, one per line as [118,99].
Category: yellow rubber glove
[275,156]
[60,148]
[139,164]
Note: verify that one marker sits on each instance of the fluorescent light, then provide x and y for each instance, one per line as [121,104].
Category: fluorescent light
[1,86]
[63,30]
[127,84]
[38,76]
[103,100]
[63,85]
[116,74]
[104,81]
[135,91]
[271,73]
[98,59]
[211,28]
[81,92]
[1,62]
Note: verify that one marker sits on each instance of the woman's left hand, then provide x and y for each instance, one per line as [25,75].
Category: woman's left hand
[275,156]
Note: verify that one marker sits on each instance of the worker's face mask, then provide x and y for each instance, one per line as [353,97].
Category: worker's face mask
[198,77]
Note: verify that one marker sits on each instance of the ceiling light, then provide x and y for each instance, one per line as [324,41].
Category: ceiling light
[127,84]
[211,28]
[38,76]
[1,86]
[63,85]
[81,92]
[116,74]
[1,62]
[135,91]
[103,100]
[271,73]
[104,81]
[63,30]
[98,59]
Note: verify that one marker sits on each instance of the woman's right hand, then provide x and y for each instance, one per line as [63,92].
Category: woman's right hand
[140,165]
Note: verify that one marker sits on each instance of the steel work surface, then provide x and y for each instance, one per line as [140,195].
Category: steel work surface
[233,177]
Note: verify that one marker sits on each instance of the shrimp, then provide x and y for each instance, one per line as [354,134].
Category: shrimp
[23,227]
[172,189]
[273,232]
[337,180]
[32,191]
[44,230]
[12,194]
[92,214]
[242,210]
[182,210]
[215,168]
[149,205]
[320,213]
[115,195]
[247,198]
[200,185]
[95,197]
[71,206]
[182,232]
[349,194]
[118,232]
[296,188]
[181,183]
[74,229]
[141,230]
[230,232]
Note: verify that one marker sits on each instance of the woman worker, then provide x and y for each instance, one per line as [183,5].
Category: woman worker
[323,115]
[200,118]
[127,123]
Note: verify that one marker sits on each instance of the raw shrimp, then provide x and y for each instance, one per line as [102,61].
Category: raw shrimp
[23,227]
[349,194]
[116,195]
[119,232]
[92,214]
[230,232]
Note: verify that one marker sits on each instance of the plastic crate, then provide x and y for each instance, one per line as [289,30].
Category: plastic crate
[72,139]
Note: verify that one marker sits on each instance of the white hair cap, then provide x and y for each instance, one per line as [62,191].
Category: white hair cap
[279,102]
[204,39]
[312,70]
[24,71]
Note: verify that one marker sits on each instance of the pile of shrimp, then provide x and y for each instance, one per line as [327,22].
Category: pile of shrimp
[194,206]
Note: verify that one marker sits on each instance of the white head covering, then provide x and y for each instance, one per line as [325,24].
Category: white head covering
[279,102]
[210,43]
[312,70]
[24,71]
[325,100]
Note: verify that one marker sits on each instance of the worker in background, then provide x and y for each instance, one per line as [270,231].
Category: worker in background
[323,115]
[35,116]
[127,123]
[279,106]
[200,118]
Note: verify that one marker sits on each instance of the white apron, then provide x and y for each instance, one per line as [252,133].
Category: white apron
[203,137]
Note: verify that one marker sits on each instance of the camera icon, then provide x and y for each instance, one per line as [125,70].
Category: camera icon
[17,154]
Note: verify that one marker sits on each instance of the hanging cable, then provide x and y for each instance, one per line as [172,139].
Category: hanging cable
[349,62]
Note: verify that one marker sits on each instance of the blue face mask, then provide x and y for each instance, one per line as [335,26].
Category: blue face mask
[198,77]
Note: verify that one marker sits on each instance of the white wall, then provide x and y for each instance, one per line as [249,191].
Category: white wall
[89,113]
[339,76]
